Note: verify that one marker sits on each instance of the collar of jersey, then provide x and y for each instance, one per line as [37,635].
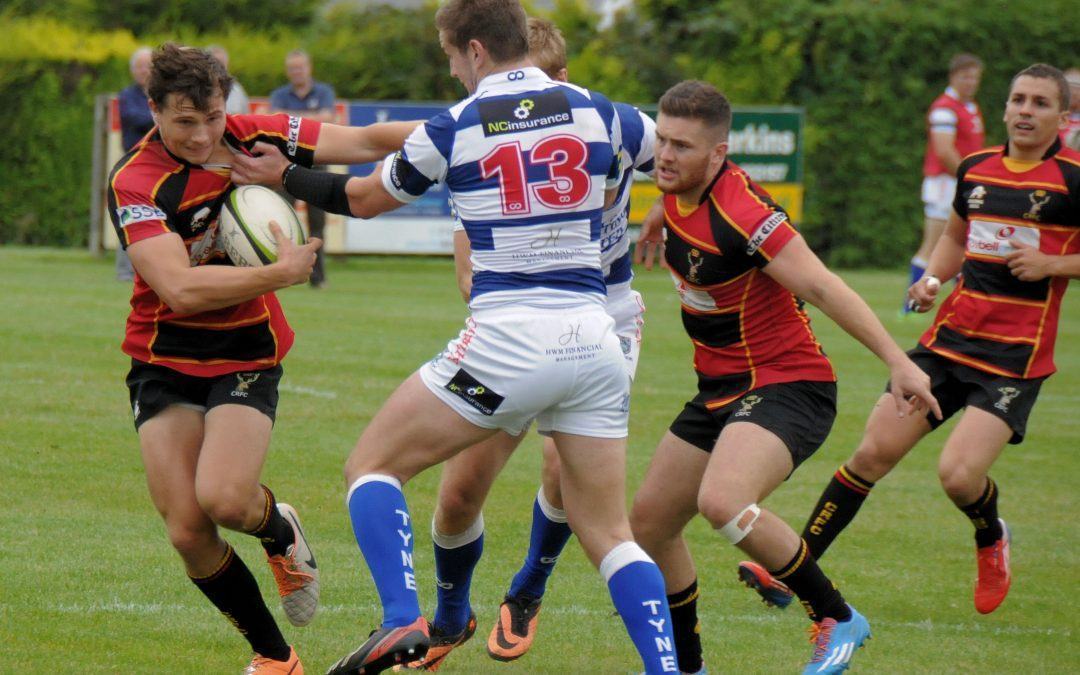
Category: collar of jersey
[499,80]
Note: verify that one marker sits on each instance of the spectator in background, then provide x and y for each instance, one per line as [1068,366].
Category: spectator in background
[307,98]
[237,103]
[1070,135]
[135,122]
[955,129]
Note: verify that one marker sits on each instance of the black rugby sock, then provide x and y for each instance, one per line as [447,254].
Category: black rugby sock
[819,596]
[839,503]
[235,593]
[275,533]
[686,628]
[984,516]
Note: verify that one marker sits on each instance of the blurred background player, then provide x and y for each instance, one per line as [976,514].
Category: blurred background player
[766,395]
[1013,236]
[135,122]
[310,99]
[955,129]
[206,339]
[1071,134]
[529,163]
[238,102]
[457,528]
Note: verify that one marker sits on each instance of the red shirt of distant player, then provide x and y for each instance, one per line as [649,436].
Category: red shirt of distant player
[949,114]
[748,331]
[992,320]
[153,192]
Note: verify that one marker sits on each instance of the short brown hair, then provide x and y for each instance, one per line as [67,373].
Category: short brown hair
[963,62]
[189,72]
[1047,72]
[547,47]
[698,100]
[499,25]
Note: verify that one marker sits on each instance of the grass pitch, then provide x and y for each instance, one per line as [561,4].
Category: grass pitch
[90,583]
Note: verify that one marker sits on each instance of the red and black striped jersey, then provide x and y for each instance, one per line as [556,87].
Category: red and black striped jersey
[992,320]
[748,331]
[153,192]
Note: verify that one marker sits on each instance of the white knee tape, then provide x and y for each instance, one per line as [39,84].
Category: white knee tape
[733,532]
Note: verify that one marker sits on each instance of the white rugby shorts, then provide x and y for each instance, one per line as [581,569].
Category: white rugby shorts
[937,196]
[565,368]
[626,307]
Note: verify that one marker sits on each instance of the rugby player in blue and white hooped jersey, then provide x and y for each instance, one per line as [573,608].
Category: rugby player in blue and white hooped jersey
[457,528]
[527,161]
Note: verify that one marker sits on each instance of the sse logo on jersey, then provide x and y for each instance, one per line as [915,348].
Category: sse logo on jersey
[138,213]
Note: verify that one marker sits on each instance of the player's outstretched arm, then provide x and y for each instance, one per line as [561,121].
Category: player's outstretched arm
[945,262]
[339,144]
[162,261]
[800,271]
[463,263]
[650,243]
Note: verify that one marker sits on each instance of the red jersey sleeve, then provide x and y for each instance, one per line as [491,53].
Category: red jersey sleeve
[294,136]
[751,212]
[134,212]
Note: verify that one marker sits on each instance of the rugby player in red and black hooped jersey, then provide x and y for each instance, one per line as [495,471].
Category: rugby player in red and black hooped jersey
[766,392]
[1014,235]
[207,338]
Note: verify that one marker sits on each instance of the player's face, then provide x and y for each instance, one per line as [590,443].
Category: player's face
[190,133]
[966,82]
[1033,114]
[688,154]
[462,63]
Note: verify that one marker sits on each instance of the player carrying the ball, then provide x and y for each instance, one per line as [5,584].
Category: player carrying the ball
[206,338]
[1013,237]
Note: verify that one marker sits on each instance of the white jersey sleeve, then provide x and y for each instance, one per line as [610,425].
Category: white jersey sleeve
[422,162]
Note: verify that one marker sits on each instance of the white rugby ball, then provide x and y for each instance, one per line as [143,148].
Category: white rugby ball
[244,225]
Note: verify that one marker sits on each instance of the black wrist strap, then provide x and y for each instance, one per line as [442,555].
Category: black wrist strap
[321,189]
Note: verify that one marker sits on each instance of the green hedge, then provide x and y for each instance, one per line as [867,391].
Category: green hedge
[865,71]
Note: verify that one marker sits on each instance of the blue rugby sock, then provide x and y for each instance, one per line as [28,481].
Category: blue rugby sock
[547,539]
[455,559]
[383,529]
[637,589]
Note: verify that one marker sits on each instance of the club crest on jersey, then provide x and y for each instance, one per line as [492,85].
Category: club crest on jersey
[509,115]
[747,405]
[243,383]
[469,389]
[977,197]
[1008,394]
[695,260]
[1039,199]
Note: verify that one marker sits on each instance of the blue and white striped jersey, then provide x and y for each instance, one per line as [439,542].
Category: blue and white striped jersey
[527,161]
[638,132]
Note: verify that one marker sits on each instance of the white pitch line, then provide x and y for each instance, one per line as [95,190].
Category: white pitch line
[116,606]
[296,389]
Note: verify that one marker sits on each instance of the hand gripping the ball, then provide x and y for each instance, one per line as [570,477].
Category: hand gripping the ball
[294,262]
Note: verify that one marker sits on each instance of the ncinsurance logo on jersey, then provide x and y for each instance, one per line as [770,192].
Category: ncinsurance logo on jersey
[509,115]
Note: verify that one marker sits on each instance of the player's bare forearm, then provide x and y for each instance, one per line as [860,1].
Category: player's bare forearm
[359,145]
[944,147]
[163,262]
[948,254]
[463,264]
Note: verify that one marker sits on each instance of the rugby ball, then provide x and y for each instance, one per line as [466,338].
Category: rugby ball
[244,225]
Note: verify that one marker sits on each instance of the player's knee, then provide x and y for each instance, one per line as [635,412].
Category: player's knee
[457,510]
[645,524]
[874,458]
[226,505]
[960,481]
[191,542]
[719,505]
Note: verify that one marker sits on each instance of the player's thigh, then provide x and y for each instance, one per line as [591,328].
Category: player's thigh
[747,464]
[467,478]
[594,490]
[412,431]
[667,498]
[170,442]
[886,439]
[975,443]
[234,448]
